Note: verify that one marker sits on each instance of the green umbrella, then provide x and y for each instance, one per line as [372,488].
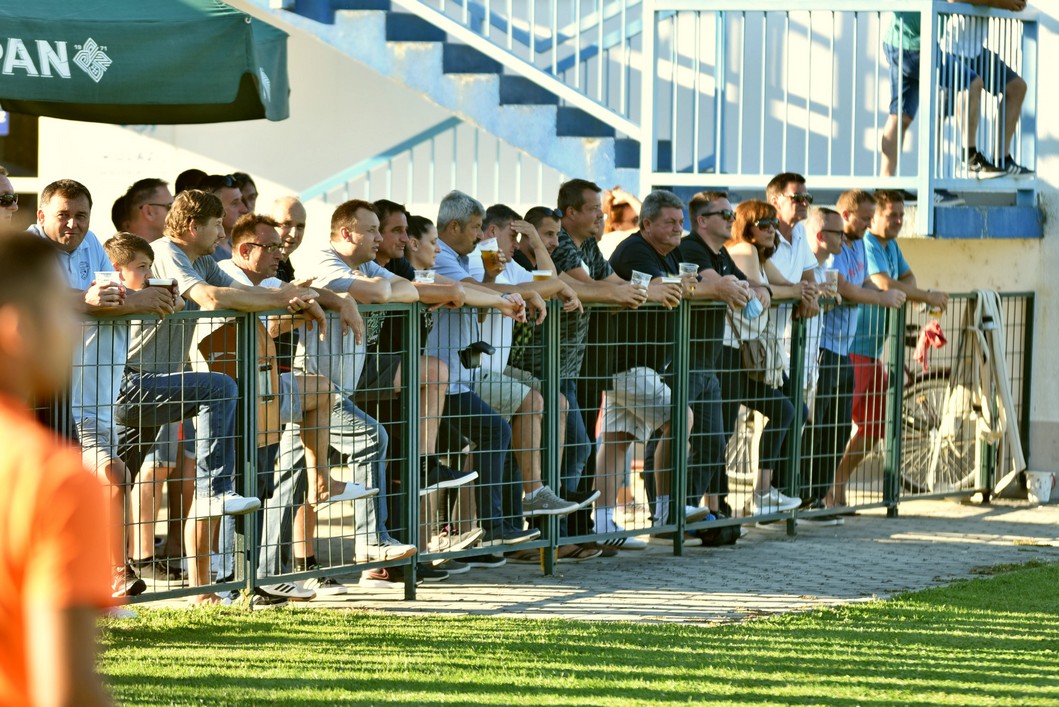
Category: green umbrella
[140,61]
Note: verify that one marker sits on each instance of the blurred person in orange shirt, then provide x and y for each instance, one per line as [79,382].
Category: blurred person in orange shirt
[54,569]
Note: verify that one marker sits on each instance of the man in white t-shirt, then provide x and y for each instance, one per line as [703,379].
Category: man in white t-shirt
[63,218]
[519,401]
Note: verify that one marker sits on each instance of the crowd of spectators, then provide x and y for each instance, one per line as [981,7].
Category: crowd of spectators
[154,408]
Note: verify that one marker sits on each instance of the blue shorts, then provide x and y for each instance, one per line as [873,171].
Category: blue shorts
[955,72]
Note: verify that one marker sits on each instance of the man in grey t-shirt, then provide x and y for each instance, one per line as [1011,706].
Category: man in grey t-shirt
[157,390]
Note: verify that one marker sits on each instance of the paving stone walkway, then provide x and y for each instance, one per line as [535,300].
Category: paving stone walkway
[871,556]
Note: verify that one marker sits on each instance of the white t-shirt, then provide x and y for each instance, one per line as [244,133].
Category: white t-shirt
[792,258]
[497,329]
[813,329]
[100,361]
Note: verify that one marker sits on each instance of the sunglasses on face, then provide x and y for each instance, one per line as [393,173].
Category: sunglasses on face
[766,223]
[801,198]
[8,200]
[726,214]
[271,249]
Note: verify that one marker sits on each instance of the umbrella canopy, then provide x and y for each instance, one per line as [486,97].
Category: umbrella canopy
[136,62]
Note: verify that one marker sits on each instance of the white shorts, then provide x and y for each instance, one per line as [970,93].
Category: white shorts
[290,399]
[638,403]
[98,442]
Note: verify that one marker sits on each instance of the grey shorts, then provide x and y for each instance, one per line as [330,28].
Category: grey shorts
[379,379]
[502,392]
[637,403]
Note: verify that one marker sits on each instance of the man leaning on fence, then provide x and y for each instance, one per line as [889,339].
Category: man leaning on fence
[888,270]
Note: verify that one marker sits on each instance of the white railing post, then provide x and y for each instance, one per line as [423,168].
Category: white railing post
[648,89]
[928,117]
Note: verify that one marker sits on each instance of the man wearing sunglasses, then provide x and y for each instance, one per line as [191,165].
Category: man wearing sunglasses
[8,199]
[144,207]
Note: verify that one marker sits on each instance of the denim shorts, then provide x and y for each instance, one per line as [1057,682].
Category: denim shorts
[904,80]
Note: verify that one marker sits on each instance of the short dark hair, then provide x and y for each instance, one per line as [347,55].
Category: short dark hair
[537,214]
[417,226]
[385,207]
[885,197]
[67,189]
[120,213]
[345,215]
[779,184]
[188,179]
[572,193]
[141,191]
[499,214]
[192,205]
[244,228]
[242,179]
[123,247]
[213,183]
[27,264]
[700,201]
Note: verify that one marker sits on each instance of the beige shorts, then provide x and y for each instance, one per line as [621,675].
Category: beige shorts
[98,442]
[502,392]
[637,403]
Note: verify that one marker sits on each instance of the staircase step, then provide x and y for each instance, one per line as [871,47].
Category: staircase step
[519,90]
[405,27]
[626,153]
[574,122]
[384,5]
[324,10]
[462,59]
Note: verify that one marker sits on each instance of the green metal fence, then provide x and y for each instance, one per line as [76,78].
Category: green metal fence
[899,467]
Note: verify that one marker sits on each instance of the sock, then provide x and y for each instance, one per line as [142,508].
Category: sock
[661,509]
[304,564]
[970,151]
[532,493]
[605,520]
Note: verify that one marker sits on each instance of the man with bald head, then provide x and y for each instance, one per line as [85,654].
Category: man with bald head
[290,214]
[8,199]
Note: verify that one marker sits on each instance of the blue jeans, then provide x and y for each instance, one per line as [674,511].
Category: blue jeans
[578,447]
[147,401]
[491,435]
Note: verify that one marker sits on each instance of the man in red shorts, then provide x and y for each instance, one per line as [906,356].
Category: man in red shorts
[887,269]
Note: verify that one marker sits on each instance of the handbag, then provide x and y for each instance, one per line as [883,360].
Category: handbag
[753,353]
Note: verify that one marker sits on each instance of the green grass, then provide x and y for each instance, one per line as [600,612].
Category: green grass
[993,640]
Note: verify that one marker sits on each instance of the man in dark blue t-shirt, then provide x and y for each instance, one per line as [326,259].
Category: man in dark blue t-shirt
[637,401]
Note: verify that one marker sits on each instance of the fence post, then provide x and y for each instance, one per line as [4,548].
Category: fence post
[894,407]
[1027,372]
[246,447]
[551,452]
[794,436]
[411,413]
[678,476]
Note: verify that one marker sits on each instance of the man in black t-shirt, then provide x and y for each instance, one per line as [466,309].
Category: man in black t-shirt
[637,401]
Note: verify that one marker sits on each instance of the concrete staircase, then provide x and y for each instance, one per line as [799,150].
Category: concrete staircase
[474,87]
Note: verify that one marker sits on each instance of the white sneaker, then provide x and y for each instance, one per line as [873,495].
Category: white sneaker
[780,498]
[387,550]
[352,492]
[326,586]
[761,503]
[228,503]
[456,541]
[693,514]
[628,543]
[292,591]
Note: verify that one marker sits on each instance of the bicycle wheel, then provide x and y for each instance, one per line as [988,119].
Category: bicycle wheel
[922,409]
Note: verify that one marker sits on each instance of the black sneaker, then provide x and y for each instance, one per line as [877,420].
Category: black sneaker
[431,574]
[439,476]
[384,578]
[154,570]
[259,601]
[821,519]
[125,583]
[484,561]
[1014,169]
[978,166]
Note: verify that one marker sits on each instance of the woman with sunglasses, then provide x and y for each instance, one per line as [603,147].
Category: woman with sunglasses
[753,242]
